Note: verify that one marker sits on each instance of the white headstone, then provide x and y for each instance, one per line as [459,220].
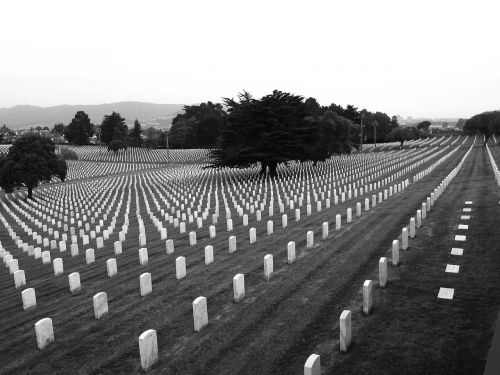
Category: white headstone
[74,282]
[148,349]
[268,267]
[395,252]
[58,266]
[324,230]
[209,254]
[309,239]
[404,239]
[253,235]
[46,257]
[200,313]
[117,247]
[143,256]
[239,287]
[382,272]
[345,330]
[291,252]
[313,365]
[29,298]
[74,250]
[169,245]
[145,283]
[44,333]
[180,267]
[367,297]
[19,279]
[89,256]
[232,244]
[111,267]
[100,304]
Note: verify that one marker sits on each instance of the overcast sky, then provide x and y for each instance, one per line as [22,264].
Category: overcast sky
[413,58]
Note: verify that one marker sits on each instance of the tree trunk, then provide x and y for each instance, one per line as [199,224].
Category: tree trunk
[272,169]
[263,169]
[30,192]
[401,147]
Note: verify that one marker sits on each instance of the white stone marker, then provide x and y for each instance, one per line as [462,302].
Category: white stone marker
[46,257]
[324,230]
[270,227]
[229,225]
[58,266]
[467,210]
[99,243]
[19,279]
[395,252]
[313,365]
[89,256]
[284,220]
[211,231]
[209,254]
[85,240]
[100,305]
[74,282]
[239,287]
[38,252]
[367,204]
[463,226]
[310,239]
[460,238]
[13,266]
[424,211]
[44,333]
[338,222]
[74,250]
[468,202]
[253,235]
[268,267]
[457,251]
[232,244]
[62,246]
[163,233]
[117,247]
[358,209]
[29,298]
[148,349]
[367,297]
[452,268]
[145,284]
[169,245]
[465,217]
[446,293]
[142,239]
[382,272]
[291,252]
[404,239]
[349,215]
[412,227]
[111,267]
[200,313]
[297,214]
[419,218]
[345,330]
[143,256]
[180,267]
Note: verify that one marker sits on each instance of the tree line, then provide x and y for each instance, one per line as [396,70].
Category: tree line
[486,123]
[113,132]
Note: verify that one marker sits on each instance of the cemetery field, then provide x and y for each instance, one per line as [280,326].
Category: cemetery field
[284,317]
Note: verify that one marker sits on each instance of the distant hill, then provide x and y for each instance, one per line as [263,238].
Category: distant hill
[149,114]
